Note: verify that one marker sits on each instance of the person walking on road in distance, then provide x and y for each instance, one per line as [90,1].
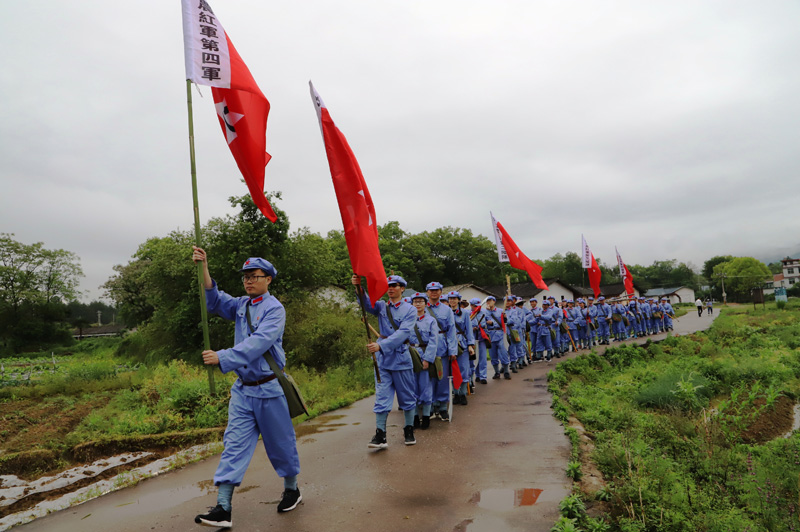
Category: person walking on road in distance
[257,405]
[699,304]
[709,306]
[396,325]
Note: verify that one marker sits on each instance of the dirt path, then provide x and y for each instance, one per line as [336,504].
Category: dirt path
[498,467]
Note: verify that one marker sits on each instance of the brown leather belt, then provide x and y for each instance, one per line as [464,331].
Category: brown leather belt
[262,381]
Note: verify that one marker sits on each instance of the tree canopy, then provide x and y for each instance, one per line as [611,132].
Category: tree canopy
[34,284]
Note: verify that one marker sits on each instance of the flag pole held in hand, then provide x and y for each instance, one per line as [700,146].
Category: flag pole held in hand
[360,294]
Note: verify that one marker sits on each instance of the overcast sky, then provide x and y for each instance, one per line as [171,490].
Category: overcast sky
[667,129]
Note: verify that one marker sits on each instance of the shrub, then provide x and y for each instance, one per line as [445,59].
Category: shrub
[572,506]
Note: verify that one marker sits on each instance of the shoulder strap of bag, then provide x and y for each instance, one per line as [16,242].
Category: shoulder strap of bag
[435,318]
[419,337]
[271,361]
[389,313]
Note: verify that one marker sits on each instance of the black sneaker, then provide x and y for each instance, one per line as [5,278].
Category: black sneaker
[289,500]
[379,440]
[426,422]
[495,376]
[444,415]
[483,381]
[464,400]
[507,376]
[416,422]
[408,432]
[217,517]
[513,369]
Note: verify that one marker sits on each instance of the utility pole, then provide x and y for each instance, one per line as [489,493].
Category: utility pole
[724,295]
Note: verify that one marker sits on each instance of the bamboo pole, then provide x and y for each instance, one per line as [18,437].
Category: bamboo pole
[200,278]
[360,294]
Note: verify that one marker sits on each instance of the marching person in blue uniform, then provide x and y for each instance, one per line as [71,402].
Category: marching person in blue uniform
[447,349]
[544,338]
[580,322]
[524,328]
[603,317]
[573,318]
[531,318]
[644,306]
[396,321]
[257,405]
[510,316]
[477,319]
[494,328]
[669,312]
[466,345]
[425,339]
[591,322]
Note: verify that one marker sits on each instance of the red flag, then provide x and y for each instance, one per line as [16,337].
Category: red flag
[627,278]
[594,277]
[517,259]
[242,109]
[456,372]
[355,203]
[590,264]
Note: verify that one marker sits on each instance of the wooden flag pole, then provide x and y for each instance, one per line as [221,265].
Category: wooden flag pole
[200,277]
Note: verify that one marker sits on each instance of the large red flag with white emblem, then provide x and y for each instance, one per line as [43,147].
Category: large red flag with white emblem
[517,259]
[592,268]
[242,109]
[355,203]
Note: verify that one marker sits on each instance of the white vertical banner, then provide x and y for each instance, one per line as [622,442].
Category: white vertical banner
[621,264]
[498,238]
[205,46]
[586,254]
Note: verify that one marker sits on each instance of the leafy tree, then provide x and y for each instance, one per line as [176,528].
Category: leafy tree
[568,268]
[742,274]
[775,267]
[34,282]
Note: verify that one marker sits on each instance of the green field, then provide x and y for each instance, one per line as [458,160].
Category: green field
[688,433]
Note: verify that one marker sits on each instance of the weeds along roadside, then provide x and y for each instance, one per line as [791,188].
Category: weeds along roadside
[687,432]
[94,402]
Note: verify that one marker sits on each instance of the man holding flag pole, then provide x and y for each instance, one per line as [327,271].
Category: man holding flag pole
[211,59]
[394,373]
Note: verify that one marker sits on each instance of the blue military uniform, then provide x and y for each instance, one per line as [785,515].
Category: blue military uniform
[394,361]
[497,351]
[477,319]
[425,339]
[465,339]
[603,317]
[447,347]
[544,340]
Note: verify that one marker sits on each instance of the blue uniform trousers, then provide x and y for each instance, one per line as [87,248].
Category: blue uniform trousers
[544,342]
[498,353]
[441,387]
[478,366]
[602,329]
[463,367]
[424,389]
[247,418]
[397,381]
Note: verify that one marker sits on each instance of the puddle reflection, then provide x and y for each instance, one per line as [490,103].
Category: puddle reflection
[505,499]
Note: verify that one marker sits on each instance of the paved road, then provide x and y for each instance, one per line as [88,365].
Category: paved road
[498,467]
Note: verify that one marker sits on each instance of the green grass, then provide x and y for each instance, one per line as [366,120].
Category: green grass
[669,421]
[137,400]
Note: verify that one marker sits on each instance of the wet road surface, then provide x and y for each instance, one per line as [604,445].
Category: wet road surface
[498,467]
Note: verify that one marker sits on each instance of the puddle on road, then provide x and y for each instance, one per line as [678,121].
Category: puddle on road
[318,425]
[505,499]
